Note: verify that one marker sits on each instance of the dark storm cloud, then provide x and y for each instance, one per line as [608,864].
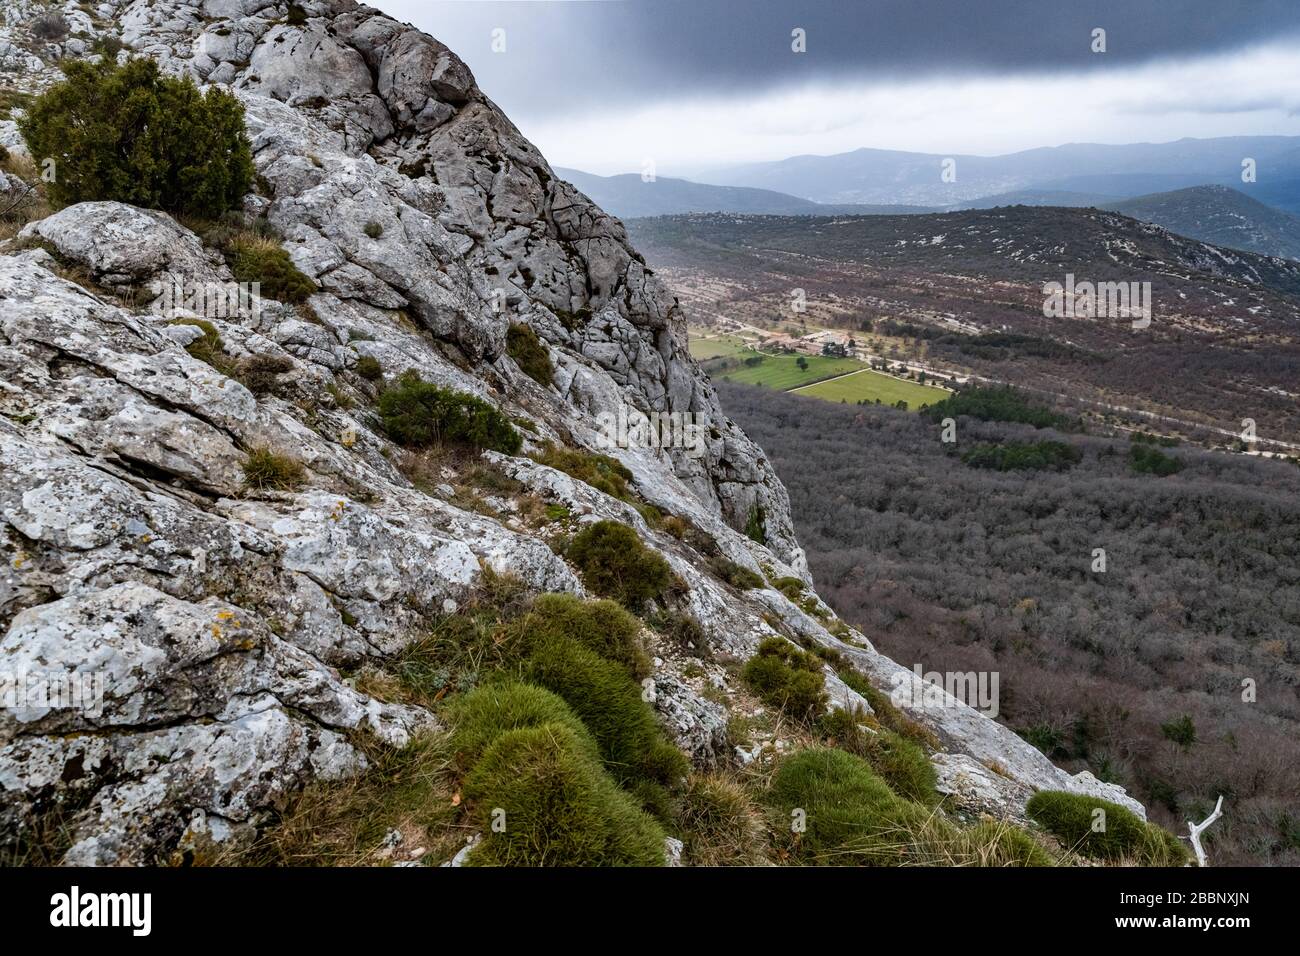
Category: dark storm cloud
[572,54]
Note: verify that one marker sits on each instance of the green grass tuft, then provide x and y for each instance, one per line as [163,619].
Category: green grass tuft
[719,823]
[1075,819]
[542,801]
[523,345]
[266,469]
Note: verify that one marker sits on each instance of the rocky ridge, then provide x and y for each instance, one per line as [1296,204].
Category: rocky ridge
[222,621]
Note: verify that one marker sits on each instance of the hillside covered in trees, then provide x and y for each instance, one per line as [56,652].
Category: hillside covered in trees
[1175,671]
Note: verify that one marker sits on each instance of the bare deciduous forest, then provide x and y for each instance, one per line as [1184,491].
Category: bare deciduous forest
[1142,673]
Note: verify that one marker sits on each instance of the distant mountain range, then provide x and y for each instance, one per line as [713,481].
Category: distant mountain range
[1189,187]
[628,196]
[1124,171]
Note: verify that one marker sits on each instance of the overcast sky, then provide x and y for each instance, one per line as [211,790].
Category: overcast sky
[604,85]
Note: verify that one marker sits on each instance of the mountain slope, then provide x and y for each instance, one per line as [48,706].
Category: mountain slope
[218,518]
[1221,216]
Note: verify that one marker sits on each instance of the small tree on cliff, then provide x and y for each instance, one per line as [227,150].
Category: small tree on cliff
[130,134]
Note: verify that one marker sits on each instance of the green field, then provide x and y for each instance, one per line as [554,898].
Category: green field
[870,386]
[715,346]
[783,372]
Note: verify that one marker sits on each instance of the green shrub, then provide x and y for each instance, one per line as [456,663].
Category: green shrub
[1146,460]
[791,587]
[756,524]
[49,26]
[787,678]
[1024,456]
[1070,817]
[737,575]
[615,564]
[263,260]
[560,808]
[523,345]
[719,824]
[849,812]
[903,765]
[998,403]
[368,367]
[490,710]
[130,134]
[265,469]
[601,626]
[609,702]
[600,471]
[418,414]
[1181,731]
[374,230]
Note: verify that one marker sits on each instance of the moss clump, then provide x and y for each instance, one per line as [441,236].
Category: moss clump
[418,414]
[600,471]
[374,230]
[610,703]
[557,807]
[130,134]
[601,626]
[787,678]
[737,575]
[265,469]
[263,260]
[368,367]
[719,823]
[615,564]
[1115,833]
[523,345]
